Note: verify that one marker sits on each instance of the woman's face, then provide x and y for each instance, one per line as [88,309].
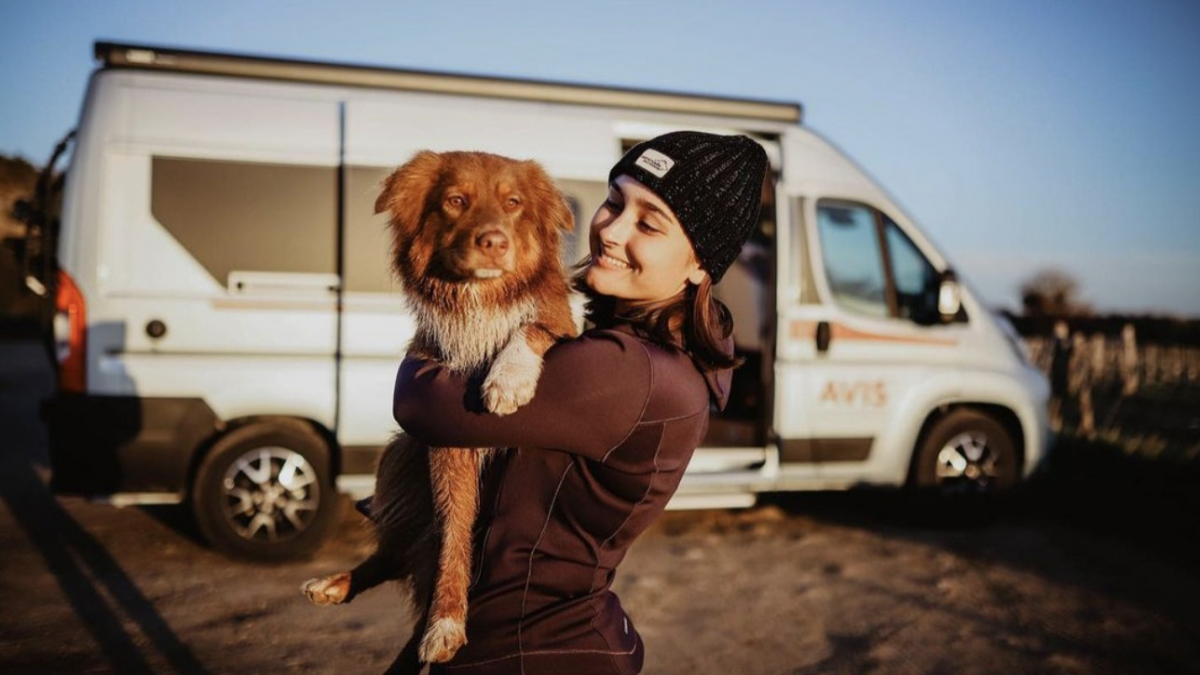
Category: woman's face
[640,253]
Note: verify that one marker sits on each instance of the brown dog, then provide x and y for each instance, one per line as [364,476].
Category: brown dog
[476,246]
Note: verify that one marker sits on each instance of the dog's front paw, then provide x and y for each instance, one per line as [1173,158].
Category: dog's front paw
[504,395]
[332,590]
[442,640]
[512,380]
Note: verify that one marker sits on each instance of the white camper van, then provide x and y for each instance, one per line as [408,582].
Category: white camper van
[228,331]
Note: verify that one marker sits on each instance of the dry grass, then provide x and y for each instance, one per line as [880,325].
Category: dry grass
[1143,399]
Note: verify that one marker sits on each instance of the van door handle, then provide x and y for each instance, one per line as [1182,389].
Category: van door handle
[823,334]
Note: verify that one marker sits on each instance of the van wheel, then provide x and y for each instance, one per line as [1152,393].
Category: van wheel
[967,455]
[264,492]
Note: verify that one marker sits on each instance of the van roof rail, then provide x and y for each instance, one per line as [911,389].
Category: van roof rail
[144,57]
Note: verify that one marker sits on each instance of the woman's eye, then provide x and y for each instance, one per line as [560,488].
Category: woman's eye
[611,205]
[647,226]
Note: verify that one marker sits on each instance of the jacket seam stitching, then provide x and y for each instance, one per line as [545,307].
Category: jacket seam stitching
[532,552]
[676,418]
[645,403]
[628,516]
[542,652]
[632,510]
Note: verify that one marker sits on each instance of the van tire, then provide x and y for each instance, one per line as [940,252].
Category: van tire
[966,455]
[240,495]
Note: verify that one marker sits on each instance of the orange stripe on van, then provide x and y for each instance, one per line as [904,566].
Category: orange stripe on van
[800,330]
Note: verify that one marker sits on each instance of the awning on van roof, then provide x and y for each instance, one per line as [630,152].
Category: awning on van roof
[119,55]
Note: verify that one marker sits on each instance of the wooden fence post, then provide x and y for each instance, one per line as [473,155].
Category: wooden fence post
[1081,383]
[1129,360]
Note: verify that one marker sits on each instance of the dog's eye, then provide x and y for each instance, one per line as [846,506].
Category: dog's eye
[513,202]
[457,201]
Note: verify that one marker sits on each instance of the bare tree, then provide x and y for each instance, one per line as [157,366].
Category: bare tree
[17,180]
[1052,292]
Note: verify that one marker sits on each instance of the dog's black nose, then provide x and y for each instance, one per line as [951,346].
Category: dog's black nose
[493,243]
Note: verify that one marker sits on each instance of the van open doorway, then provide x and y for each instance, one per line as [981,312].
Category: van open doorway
[747,289]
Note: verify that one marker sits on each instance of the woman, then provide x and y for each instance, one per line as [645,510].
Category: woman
[617,414]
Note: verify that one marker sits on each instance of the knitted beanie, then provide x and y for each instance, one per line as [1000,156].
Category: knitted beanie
[712,183]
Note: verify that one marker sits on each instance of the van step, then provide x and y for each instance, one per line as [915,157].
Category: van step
[730,500]
[710,460]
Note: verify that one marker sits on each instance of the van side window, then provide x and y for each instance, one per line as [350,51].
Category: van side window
[853,261]
[873,268]
[915,279]
[368,241]
[248,216]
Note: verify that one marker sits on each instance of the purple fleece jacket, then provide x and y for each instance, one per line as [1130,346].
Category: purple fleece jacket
[596,455]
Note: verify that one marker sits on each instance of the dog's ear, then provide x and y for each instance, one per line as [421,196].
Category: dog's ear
[405,193]
[563,216]
[551,205]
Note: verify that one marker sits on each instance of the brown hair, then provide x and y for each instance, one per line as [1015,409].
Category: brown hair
[693,320]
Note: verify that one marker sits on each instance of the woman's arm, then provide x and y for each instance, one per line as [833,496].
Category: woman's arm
[592,392]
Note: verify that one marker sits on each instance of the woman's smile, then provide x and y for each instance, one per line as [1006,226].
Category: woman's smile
[639,250]
[611,262]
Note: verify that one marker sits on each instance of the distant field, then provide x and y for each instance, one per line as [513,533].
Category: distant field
[1141,399]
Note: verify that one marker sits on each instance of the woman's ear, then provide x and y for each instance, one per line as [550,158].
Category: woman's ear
[698,274]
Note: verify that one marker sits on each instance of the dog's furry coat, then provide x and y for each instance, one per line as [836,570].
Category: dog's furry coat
[476,246]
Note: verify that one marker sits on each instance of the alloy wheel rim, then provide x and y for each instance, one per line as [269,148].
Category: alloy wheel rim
[967,464]
[271,494]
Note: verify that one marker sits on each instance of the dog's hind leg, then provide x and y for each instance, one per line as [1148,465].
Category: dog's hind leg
[341,588]
[402,513]
[455,477]
[330,590]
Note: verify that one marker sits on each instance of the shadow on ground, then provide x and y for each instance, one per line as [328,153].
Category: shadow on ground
[1091,486]
[99,590]
[1129,514]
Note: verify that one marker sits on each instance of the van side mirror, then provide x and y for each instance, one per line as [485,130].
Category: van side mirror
[949,296]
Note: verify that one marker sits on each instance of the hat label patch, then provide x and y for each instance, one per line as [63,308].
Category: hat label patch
[655,162]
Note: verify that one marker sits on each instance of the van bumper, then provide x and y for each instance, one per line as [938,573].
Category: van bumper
[1039,440]
[105,445]
[1047,441]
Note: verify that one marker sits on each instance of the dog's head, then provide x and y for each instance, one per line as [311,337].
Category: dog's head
[472,218]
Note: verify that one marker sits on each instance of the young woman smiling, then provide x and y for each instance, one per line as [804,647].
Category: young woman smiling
[618,412]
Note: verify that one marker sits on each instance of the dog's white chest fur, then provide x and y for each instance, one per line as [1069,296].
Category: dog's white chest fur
[470,337]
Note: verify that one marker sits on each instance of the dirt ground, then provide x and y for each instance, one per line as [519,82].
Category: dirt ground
[1093,570]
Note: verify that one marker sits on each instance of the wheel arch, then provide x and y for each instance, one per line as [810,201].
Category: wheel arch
[202,451]
[1005,416]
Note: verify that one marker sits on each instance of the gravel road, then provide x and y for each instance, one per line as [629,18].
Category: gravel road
[1090,572]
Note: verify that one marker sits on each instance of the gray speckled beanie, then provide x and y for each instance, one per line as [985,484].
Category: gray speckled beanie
[713,184]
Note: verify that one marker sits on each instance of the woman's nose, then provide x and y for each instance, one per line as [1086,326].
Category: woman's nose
[615,231]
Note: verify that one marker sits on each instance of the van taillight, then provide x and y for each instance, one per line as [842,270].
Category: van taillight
[70,335]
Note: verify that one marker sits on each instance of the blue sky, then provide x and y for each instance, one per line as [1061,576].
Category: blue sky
[1020,134]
